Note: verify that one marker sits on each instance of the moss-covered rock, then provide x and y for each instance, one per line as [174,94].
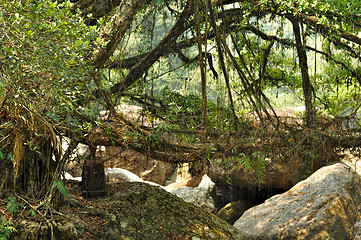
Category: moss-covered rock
[142,211]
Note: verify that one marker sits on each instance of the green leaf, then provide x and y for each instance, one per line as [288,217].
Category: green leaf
[158,2]
[13,206]
[61,187]
[11,156]
[32,213]
[6,229]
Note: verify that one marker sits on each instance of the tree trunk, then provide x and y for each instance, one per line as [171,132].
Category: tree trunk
[223,67]
[201,66]
[306,82]
[93,176]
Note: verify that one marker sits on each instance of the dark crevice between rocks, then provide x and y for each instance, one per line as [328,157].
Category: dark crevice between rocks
[232,201]
[226,193]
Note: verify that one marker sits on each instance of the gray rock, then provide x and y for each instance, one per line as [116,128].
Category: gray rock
[357,231]
[206,184]
[114,175]
[199,196]
[324,206]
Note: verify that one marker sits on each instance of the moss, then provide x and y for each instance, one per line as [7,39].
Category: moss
[148,212]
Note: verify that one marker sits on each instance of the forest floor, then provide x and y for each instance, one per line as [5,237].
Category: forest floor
[130,211]
[91,209]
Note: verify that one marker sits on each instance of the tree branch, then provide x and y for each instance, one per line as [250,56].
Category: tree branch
[97,9]
[138,70]
[121,23]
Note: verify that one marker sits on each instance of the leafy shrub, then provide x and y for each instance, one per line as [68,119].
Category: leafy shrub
[6,229]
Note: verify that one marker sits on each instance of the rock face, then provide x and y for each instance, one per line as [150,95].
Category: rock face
[233,211]
[200,196]
[142,211]
[183,177]
[327,205]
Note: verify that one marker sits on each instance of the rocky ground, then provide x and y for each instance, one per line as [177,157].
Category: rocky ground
[135,210]
[89,210]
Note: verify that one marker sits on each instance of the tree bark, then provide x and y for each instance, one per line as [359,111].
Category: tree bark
[201,66]
[306,82]
[96,8]
[93,176]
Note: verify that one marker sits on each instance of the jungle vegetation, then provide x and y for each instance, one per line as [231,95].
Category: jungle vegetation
[207,73]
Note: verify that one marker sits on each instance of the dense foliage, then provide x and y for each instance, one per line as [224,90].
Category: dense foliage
[45,86]
[45,58]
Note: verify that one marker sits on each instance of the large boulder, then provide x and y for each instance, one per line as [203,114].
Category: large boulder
[324,206]
[142,211]
[199,196]
[135,211]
